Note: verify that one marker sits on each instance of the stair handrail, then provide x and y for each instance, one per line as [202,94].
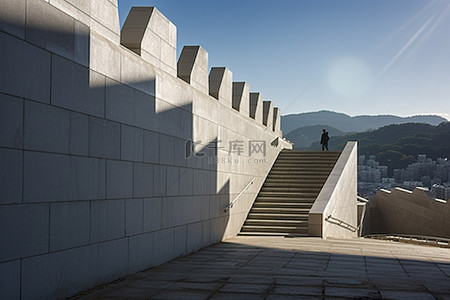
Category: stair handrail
[341,223]
[230,205]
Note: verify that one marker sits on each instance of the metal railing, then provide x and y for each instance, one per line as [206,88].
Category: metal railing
[341,223]
[230,205]
[413,239]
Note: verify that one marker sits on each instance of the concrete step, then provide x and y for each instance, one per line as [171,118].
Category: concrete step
[296,177]
[293,184]
[280,210]
[290,190]
[277,216]
[251,233]
[283,205]
[288,194]
[282,230]
[293,172]
[280,201]
[275,222]
[304,162]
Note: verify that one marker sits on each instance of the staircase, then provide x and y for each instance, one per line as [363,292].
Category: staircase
[290,189]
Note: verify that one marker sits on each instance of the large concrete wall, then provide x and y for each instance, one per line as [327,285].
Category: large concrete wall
[111,163]
[338,199]
[415,212]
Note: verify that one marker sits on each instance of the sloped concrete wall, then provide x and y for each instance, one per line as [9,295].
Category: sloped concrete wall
[416,212]
[338,199]
[110,163]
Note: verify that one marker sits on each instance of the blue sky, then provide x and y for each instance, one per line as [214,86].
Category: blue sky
[358,57]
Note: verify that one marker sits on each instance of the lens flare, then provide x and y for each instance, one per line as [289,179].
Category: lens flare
[350,77]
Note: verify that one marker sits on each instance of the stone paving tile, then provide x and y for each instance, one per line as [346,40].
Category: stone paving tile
[353,293]
[406,295]
[180,294]
[245,288]
[298,290]
[296,268]
[235,296]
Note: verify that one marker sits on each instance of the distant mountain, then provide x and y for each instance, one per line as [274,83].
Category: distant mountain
[396,146]
[303,137]
[346,123]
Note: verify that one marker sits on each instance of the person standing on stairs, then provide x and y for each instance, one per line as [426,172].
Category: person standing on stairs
[324,140]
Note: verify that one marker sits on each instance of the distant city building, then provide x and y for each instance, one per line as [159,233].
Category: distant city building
[441,191]
[426,172]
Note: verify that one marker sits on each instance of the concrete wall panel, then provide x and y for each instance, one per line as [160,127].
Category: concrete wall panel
[24,63]
[10,283]
[12,16]
[24,229]
[11,121]
[75,87]
[107,219]
[11,168]
[47,128]
[134,216]
[119,179]
[69,225]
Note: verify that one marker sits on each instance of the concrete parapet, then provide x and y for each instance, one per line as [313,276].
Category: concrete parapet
[276,125]
[337,199]
[241,97]
[221,85]
[416,212]
[256,110]
[193,67]
[150,34]
[268,114]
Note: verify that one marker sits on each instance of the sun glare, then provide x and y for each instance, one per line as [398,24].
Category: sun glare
[350,77]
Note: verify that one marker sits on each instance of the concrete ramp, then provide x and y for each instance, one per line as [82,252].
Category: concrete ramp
[289,192]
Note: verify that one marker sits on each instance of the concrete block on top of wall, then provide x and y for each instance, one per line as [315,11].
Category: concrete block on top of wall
[276,125]
[255,107]
[105,19]
[241,97]
[192,67]
[151,35]
[268,114]
[221,85]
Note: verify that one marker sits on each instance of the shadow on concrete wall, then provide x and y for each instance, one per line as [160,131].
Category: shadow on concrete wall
[90,161]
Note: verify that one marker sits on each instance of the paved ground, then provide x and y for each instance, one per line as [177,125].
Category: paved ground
[294,268]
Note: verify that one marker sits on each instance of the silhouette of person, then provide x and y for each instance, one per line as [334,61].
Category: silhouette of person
[324,140]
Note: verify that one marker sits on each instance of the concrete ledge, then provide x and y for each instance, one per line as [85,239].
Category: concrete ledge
[337,198]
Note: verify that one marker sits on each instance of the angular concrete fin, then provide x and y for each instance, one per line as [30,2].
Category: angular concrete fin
[192,67]
[241,97]
[268,113]
[276,126]
[220,85]
[255,107]
[150,34]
